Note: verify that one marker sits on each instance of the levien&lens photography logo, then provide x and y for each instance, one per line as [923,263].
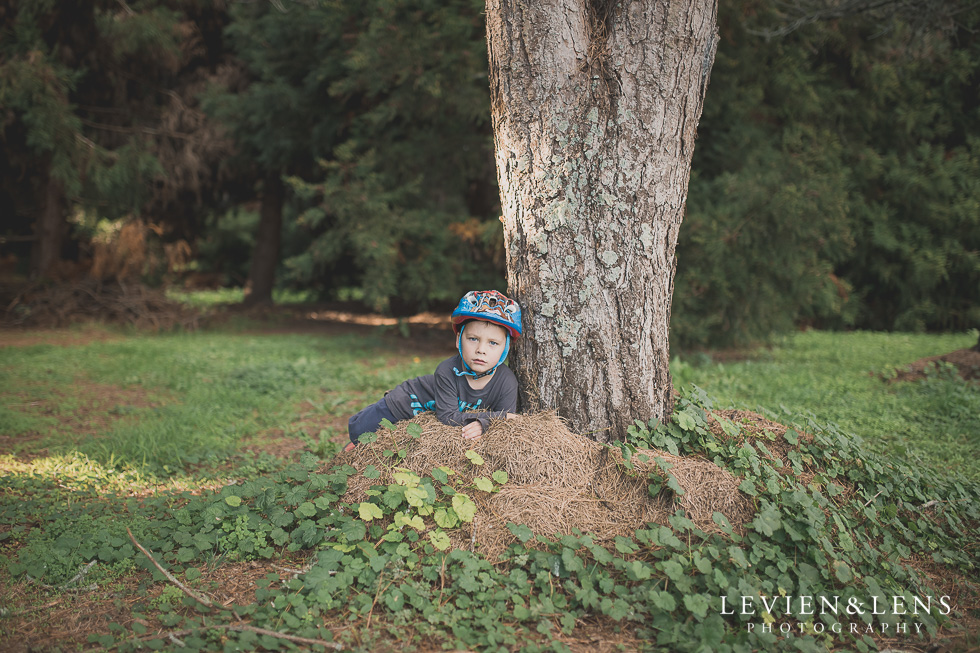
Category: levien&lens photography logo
[875,615]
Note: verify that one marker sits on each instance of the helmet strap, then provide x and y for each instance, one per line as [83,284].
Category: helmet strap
[469,372]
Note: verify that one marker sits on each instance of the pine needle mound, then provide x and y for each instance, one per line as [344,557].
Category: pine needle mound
[559,482]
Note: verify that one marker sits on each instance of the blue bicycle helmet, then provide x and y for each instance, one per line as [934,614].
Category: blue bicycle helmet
[489,306]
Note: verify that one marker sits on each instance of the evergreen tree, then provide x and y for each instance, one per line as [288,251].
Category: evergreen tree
[90,112]
[835,182]
[376,113]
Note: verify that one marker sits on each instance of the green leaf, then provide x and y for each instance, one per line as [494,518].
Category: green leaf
[673,570]
[685,421]
[484,484]
[464,507]
[233,501]
[371,472]
[440,475]
[414,430]
[406,478]
[637,570]
[768,521]
[369,511]
[722,521]
[306,509]
[415,522]
[843,571]
[474,457]
[697,604]
[322,503]
[500,476]
[720,578]
[354,530]
[624,545]
[748,487]
[439,539]
[386,423]
[521,532]
[394,599]
[417,497]
[446,518]
[663,600]
[192,573]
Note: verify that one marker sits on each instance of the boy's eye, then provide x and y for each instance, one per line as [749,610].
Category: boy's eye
[494,343]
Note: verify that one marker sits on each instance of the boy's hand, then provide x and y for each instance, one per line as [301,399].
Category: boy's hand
[473,430]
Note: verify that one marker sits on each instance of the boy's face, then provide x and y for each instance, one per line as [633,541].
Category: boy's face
[482,345]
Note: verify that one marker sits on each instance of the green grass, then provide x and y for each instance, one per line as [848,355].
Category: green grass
[836,377]
[206,391]
[160,469]
[209,390]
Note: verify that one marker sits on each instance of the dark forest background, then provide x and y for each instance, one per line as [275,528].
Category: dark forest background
[345,150]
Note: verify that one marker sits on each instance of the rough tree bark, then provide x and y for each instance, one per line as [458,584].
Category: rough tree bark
[262,274]
[595,107]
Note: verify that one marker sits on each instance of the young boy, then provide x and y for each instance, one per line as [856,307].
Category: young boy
[474,379]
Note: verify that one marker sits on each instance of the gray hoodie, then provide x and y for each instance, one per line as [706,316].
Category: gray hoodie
[451,396]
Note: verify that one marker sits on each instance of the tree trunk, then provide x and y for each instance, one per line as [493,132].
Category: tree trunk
[51,229]
[595,108]
[265,258]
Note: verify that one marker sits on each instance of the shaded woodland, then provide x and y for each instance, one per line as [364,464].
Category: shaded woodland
[345,150]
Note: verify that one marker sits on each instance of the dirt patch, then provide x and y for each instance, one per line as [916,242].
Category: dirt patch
[275,443]
[966,361]
[964,599]
[45,620]
[87,412]
[79,337]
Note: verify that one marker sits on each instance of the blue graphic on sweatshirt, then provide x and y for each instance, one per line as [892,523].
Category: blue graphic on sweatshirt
[418,407]
[465,406]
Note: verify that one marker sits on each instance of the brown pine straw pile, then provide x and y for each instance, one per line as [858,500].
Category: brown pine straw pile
[559,482]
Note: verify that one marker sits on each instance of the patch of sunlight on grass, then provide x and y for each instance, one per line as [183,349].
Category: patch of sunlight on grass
[75,472]
[218,296]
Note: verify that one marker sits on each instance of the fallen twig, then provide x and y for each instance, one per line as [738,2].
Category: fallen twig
[81,573]
[253,629]
[872,499]
[297,572]
[203,600]
[62,588]
[292,638]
